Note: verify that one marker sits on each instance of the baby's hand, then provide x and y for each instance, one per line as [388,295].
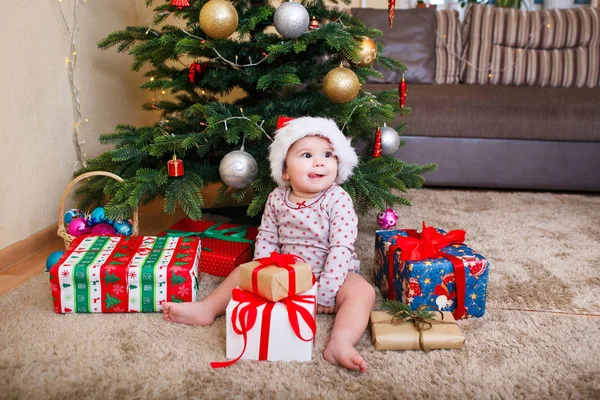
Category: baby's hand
[325,310]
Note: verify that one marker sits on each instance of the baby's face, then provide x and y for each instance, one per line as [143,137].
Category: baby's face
[311,166]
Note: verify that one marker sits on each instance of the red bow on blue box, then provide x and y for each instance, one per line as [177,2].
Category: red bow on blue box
[429,244]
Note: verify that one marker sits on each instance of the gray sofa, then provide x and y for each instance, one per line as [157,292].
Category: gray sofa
[514,137]
[485,131]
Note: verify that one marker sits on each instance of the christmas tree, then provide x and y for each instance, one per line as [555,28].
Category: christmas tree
[202,50]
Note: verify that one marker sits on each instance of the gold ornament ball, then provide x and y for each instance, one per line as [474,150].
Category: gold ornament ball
[368,52]
[341,85]
[218,19]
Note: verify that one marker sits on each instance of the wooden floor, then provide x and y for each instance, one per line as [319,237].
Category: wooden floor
[27,258]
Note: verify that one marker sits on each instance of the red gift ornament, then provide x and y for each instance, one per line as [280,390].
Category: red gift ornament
[428,244]
[175,166]
[180,3]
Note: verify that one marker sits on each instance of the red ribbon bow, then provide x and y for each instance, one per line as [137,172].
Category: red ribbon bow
[282,261]
[247,306]
[428,244]
[283,121]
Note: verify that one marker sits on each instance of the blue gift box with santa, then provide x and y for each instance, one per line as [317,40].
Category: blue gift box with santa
[431,268]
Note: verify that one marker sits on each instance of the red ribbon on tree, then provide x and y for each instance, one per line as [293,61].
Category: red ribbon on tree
[428,244]
[282,261]
[196,69]
[246,308]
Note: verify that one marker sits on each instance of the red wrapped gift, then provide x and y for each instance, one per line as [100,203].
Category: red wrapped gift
[224,246]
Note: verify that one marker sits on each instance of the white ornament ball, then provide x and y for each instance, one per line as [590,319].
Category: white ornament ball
[238,169]
[291,20]
[390,141]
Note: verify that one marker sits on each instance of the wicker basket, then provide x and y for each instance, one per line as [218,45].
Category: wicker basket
[62,232]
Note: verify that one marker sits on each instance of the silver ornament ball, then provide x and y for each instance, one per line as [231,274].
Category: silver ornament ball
[291,20]
[390,141]
[238,169]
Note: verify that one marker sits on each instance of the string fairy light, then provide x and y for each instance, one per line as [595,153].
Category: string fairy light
[236,64]
[224,122]
[372,102]
[219,56]
[71,62]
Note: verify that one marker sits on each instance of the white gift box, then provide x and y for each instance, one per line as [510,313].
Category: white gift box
[282,343]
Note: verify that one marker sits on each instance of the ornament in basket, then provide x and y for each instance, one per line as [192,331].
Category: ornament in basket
[75,223]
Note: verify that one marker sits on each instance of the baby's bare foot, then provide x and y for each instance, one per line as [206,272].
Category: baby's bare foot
[189,313]
[342,352]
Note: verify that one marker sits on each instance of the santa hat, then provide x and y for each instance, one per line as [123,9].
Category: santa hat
[291,130]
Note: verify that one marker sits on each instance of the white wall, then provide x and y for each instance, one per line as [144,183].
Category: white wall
[37,157]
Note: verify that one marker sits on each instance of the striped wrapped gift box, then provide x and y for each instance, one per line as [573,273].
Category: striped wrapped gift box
[125,274]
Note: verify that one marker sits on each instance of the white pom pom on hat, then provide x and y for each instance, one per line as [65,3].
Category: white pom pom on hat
[291,130]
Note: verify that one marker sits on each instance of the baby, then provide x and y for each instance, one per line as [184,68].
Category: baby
[311,216]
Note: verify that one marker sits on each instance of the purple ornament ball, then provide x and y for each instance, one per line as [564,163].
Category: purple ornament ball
[102,229]
[78,227]
[387,219]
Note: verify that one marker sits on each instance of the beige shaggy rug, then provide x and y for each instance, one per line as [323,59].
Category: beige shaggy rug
[538,339]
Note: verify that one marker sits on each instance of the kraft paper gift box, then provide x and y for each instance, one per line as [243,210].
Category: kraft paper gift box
[271,336]
[276,277]
[391,335]
[125,274]
[432,281]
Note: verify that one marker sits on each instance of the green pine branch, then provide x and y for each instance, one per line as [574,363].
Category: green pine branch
[401,310]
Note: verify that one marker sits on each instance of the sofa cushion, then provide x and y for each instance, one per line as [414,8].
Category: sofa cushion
[501,112]
[411,41]
[558,48]
[447,46]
